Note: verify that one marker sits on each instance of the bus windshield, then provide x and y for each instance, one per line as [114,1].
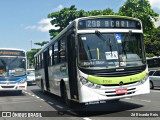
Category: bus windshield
[113,50]
[12,66]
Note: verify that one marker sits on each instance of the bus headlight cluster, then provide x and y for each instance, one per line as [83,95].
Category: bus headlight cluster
[23,81]
[143,79]
[89,84]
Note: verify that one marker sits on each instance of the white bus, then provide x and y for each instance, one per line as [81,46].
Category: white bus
[12,70]
[95,59]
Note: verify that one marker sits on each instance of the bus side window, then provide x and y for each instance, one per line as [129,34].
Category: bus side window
[50,56]
[62,51]
[56,53]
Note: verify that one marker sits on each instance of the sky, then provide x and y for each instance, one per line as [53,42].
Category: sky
[25,22]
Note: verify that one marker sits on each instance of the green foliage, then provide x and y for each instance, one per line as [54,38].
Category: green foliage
[152,42]
[140,9]
[30,56]
[63,17]
[107,11]
[41,43]
[149,54]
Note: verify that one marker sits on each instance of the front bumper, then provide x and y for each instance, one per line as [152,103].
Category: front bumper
[17,86]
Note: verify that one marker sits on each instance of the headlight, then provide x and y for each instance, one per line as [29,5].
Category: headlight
[143,79]
[89,84]
[23,81]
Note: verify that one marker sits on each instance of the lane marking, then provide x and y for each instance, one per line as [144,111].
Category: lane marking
[87,118]
[59,106]
[50,103]
[71,112]
[146,100]
[37,97]
[127,98]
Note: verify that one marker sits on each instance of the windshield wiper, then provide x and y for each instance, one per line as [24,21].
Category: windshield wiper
[99,34]
[126,39]
[89,52]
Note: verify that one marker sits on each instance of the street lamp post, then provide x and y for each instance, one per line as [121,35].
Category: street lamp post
[31,44]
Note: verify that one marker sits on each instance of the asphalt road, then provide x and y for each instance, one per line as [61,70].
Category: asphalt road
[33,103]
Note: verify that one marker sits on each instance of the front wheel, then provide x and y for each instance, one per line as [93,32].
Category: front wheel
[19,92]
[64,94]
[151,85]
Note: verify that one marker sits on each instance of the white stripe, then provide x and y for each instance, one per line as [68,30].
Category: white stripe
[59,106]
[50,103]
[127,98]
[146,100]
[87,118]
[71,112]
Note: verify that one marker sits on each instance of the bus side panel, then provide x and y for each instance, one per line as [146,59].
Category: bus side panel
[55,77]
[39,76]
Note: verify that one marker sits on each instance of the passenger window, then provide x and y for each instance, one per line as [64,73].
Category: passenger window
[157,73]
[62,51]
[50,56]
[56,53]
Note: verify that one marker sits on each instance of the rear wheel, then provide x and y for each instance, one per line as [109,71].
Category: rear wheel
[151,85]
[19,92]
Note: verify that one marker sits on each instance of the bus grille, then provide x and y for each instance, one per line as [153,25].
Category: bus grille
[7,86]
[113,93]
[117,73]
[114,72]
[118,84]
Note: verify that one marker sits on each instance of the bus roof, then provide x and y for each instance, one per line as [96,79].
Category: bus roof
[109,16]
[12,49]
[81,18]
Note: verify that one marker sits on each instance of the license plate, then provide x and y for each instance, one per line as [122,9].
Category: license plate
[121,91]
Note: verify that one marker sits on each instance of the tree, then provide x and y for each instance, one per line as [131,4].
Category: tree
[107,11]
[152,42]
[41,43]
[63,17]
[140,9]
[30,56]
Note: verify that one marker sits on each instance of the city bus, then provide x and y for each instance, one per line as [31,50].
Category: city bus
[93,60]
[12,70]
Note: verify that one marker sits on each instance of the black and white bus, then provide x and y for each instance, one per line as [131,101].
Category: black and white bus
[95,59]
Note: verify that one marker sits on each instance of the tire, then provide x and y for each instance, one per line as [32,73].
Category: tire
[64,94]
[42,88]
[19,92]
[151,85]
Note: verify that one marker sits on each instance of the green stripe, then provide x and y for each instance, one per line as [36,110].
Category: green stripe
[116,80]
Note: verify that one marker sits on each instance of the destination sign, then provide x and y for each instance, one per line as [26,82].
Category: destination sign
[11,53]
[109,23]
